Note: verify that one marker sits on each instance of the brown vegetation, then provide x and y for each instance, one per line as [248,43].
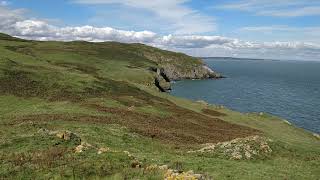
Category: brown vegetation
[182,127]
[212,112]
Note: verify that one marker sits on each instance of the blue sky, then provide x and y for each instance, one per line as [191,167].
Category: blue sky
[278,29]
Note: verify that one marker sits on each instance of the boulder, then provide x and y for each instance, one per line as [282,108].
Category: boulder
[136,164]
[316,135]
[162,84]
[82,147]
[69,136]
[103,150]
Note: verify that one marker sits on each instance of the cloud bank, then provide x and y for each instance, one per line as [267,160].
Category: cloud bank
[14,23]
[276,8]
[180,18]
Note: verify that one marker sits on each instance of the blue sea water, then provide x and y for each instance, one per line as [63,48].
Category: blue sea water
[288,89]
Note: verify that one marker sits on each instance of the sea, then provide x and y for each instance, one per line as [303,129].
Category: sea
[288,88]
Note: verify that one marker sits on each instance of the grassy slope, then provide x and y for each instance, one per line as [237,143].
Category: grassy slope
[104,93]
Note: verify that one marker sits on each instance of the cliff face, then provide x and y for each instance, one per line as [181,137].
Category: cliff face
[177,66]
[174,72]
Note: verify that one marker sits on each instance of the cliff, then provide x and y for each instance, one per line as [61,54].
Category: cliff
[177,66]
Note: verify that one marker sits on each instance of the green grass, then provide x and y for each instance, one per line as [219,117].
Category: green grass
[95,90]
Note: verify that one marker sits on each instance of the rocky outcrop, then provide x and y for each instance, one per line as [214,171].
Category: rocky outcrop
[170,174]
[173,73]
[241,148]
[161,81]
[198,71]
[162,84]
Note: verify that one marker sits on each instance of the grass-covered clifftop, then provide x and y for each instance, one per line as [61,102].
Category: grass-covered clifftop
[91,110]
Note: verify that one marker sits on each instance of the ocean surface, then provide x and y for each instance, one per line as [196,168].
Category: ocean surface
[288,89]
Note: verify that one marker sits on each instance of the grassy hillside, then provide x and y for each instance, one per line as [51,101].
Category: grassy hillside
[52,94]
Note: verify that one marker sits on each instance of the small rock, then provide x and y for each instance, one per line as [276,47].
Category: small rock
[44,131]
[287,122]
[82,147]
[316,135]
[236,156]
[203,102]
[198,176]
[174,175]
[247,154]
[103,150]
[169,173]
[126,152]
[79,149]
[190,172]
[152,168]
[135,164]
[131,108]
[163,167]
[69,136]
[129,154]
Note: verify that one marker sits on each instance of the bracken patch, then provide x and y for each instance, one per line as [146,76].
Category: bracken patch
[184,127]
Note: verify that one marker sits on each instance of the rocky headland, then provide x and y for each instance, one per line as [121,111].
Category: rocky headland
[172,72]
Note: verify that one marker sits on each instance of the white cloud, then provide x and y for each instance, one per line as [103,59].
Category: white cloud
[14,23]
[285,28]
[40,30]
[180,18]
[284,33]
[294,12]
[194,41]
[9,17]
[278,8]
[4,3]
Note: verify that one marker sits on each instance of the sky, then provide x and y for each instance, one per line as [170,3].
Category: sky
[269,29]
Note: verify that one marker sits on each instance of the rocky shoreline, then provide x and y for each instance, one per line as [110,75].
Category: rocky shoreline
[165,75]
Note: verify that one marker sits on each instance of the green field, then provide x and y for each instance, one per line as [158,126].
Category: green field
[105,94]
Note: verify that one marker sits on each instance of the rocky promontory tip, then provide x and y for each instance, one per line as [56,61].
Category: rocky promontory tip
[173,73]
[197,71]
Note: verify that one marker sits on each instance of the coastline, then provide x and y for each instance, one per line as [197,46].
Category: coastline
[237,90]
[91,110]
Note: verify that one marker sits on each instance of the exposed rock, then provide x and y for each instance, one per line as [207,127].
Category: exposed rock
[82,147]
[164,167]
[203,102]
[65,135]
[171,72]
[161,80]
[240,148]
[220,107]
[103,150]
[197,71]
[174,175]
[162,84]
[69,136]
[136,164]
[44,131]
[316,135]
[153,167]
[129,154]
[171,174]
[287,122]
[131,108]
